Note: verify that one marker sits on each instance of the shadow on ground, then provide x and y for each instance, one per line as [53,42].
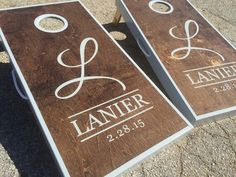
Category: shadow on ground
[130,46]
[19,133]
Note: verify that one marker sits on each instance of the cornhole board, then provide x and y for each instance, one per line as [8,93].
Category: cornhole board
[194,62]
[98,111]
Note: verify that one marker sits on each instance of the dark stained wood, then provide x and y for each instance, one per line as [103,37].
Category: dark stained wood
[36,54]
[155,26]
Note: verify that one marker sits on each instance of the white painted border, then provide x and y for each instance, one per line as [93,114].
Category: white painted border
[44,16]
[45,129]
[197,117]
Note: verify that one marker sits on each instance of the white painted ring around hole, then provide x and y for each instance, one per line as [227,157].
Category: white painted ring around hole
[44,16]
[152,2]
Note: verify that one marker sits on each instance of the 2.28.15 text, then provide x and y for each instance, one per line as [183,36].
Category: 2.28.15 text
[126,129]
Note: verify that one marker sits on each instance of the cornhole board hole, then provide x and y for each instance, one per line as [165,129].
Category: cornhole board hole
[194,62]
[99,112]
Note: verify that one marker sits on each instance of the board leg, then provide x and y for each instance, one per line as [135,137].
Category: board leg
[117,17]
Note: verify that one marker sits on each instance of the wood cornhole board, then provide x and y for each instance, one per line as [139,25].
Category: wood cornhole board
[194,62]
[99,112]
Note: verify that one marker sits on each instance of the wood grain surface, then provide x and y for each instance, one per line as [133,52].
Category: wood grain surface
[206,75]
[136,117]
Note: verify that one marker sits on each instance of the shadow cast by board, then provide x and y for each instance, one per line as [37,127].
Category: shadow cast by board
[130,46]
[20,134]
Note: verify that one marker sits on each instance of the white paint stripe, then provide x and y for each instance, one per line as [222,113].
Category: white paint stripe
[102,103]
[131,117]
[217,113]
[196,69]
[216,83]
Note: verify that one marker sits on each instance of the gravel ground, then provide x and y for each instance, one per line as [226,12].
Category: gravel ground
[209,151]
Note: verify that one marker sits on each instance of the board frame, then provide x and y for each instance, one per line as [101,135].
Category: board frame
[162,73]
[42,124]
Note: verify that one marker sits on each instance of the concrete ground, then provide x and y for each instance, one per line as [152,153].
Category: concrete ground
[208,151]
